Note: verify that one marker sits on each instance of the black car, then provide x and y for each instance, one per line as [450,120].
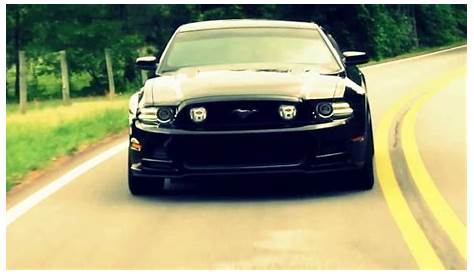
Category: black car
[242,97]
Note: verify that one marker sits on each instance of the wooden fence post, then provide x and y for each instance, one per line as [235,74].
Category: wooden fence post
[64,77]
[23,80]
[110,73]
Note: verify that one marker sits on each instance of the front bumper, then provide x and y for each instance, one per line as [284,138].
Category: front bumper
[172,153]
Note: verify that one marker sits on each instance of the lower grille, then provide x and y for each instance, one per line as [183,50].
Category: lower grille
[242,151]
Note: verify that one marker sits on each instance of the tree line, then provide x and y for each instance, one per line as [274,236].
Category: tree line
[129,31]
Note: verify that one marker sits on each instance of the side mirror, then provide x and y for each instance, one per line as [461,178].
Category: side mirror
[146,63]
[355,57]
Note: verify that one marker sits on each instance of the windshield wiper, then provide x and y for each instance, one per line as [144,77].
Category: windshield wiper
[274,70]
[286,70]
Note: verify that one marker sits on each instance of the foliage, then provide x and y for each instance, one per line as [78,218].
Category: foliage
[85,31]
[33,141]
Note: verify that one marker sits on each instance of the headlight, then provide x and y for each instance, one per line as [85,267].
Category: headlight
[324,110]
[342,110]
[148,115]
[153,115]
[198,114]
[337,110]
[165,114]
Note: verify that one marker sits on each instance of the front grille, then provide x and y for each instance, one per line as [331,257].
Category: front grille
[236,115]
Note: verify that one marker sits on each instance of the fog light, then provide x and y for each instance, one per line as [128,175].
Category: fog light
[198,114]
[287,112]
[324,110]
[135,144]
[164,114]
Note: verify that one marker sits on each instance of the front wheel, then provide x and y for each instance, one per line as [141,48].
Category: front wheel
[142,186]
[365,176]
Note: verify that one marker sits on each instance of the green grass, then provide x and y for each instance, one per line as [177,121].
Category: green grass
[49,130]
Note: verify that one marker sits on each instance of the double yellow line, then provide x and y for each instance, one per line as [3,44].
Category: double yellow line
[414,236]
[443,213]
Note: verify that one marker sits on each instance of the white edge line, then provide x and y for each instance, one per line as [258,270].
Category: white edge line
[34,199]
[411,58]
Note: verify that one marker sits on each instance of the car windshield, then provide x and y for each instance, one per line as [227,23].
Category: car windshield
[249,46]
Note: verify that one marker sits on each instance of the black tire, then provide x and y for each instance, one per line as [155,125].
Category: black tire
[365,175]
[141,186]
[135,185]
[144,186]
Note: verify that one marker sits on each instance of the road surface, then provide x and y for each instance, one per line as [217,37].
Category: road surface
[419,115]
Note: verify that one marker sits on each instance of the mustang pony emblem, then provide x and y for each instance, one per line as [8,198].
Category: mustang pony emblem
[244,113]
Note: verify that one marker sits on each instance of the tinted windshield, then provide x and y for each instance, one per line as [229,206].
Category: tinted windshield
[249,46]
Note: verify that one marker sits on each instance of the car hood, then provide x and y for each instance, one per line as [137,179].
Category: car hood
[176,88]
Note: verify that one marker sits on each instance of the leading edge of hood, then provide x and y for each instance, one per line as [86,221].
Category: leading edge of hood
[176,88]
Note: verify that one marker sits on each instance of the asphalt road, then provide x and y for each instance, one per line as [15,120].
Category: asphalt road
[268,223]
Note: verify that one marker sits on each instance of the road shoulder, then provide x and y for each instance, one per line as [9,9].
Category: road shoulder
[38,179]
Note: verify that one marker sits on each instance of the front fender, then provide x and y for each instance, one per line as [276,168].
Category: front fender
[133,106]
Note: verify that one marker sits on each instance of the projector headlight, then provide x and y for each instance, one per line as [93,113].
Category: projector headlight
[165,114]
[198,115]
[338,110]
[154,115]
[324,109]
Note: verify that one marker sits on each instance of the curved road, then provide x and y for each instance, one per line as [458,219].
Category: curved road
[92,222]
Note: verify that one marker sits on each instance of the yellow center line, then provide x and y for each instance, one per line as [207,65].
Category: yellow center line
[416,240]
[440,209]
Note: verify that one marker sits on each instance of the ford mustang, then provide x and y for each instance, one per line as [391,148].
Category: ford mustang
[243,97]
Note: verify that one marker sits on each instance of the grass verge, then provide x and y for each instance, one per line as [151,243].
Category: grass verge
[49,130]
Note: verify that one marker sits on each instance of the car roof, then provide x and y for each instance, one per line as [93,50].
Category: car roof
[244,23]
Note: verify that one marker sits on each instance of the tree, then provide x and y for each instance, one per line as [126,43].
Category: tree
[85,31]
